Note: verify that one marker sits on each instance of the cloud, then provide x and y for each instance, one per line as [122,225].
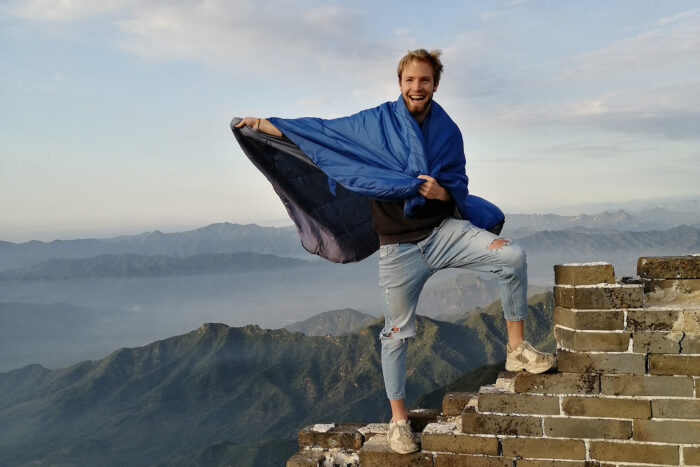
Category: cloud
[64,10]
[670,41]
[667,111]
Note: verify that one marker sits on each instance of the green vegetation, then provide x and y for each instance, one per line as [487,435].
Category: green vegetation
[227,395]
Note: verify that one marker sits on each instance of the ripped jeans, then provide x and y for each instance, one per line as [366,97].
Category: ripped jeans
[405,267]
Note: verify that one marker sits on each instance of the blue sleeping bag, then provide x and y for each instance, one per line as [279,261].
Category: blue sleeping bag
[326,177]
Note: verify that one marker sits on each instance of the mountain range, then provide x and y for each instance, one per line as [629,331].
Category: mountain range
[127,265]
[214,238]
[222,389]
[333,322]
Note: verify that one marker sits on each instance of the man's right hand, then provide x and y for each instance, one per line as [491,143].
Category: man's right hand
[259,124]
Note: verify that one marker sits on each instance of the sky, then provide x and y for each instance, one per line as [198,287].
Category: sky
[114,115]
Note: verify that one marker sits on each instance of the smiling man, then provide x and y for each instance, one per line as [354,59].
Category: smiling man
[407,157]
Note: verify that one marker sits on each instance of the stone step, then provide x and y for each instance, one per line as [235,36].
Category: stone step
[669,267]
[377,453]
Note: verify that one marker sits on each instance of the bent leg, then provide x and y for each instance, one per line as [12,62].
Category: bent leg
[459,244]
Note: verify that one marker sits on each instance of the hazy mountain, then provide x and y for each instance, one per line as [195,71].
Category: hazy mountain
[519,225]
[215,238]
[131,265]
[673,203]
[217,388]
[334,322]
[622,249]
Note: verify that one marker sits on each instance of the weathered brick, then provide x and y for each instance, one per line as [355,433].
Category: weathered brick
[557,383]
[606,407]
[583,274]
[691,455]
[306,458]
[459,443]
[634,452]
[666,431]
[656,342]
[697,387]
[669,267]
[654,319]
[660,364]
[588,297]
[505,402]
[476,423]
[633,385]
[690,344]
[691,321]
[678,286]
[675,408]
[549,463]
[604,320]
[585,341]
[420,418]
[566,427]
[616,363]
[544,448]
[463,460]
[342,436]
[377,453]
[454,402]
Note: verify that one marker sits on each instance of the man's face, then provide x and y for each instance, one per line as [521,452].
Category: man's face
[417,87]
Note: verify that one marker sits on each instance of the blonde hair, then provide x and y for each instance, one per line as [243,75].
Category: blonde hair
[432,57]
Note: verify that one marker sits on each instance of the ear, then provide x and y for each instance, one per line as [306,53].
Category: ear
[436,86]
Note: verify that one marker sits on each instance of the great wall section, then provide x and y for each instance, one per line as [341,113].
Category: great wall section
[626,391]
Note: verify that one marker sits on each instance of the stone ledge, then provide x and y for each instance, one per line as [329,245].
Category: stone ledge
[453,403]
[525,404]
[599,297]
[377,453]
[344,436]
[613,363]
[557,383]
[603,320]
[584,273]
[586,341]
[669,267]
[444,439]
[476,423]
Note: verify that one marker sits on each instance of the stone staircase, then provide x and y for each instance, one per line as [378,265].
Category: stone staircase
[626,391]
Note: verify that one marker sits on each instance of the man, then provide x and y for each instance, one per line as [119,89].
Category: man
[418,235]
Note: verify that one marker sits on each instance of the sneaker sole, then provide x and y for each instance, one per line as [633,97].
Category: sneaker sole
[534,370]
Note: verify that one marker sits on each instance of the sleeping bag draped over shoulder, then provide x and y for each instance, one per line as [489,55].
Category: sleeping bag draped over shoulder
[327,174]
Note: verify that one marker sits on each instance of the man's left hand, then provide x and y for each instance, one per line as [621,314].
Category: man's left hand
[431,189]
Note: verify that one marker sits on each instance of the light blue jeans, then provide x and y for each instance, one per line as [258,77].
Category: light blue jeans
[405,267]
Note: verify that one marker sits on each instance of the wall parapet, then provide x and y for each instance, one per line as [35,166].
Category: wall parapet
[626,390]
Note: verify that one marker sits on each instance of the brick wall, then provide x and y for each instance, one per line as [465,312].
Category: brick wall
[626,390]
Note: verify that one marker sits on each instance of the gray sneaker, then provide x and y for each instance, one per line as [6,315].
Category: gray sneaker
[526,357]
[400,437]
